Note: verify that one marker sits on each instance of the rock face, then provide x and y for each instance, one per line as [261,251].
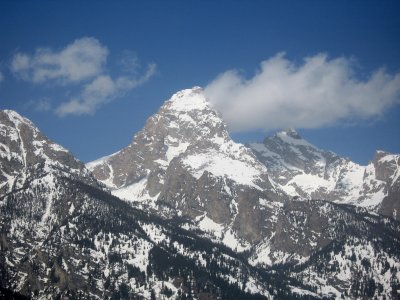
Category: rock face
[388,168]
[32,165]
[184,163]
[303,170]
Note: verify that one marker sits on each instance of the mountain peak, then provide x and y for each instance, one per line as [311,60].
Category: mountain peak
[183,158]
[15,117]
[290,132]
[26,153]
[290,137]
[381,153]
[385,157]
[188,100]
[11,112]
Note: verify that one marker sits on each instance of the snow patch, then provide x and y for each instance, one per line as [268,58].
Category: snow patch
[208,225]
[221,165]
[230,239]
[91,165]
[136,192]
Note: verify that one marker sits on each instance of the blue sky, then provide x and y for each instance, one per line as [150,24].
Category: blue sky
[141,52]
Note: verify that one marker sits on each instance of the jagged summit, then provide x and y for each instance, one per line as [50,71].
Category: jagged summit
[186,123]
[381,153]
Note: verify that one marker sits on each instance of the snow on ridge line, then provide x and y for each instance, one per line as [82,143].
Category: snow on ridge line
[92,164]
[264,151]
[389,157]
[188,100]
[285,137]
[345,177]
[16,118]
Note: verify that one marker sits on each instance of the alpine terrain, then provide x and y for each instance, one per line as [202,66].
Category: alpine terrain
[303,170]
[184,212]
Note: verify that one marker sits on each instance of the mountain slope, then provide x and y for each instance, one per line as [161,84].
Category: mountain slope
[303,170]
[31,165]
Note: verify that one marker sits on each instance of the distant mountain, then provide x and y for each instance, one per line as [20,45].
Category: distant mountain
[302,170]
[202,217]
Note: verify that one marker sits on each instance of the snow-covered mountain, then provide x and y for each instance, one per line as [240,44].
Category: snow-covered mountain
[302,170]
[184,163]
[64,236]
[187,129]
[202,218]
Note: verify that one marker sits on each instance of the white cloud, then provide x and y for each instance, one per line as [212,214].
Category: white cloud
[82,64]
[102,90]
[317,93]
[1,77]
[80,60]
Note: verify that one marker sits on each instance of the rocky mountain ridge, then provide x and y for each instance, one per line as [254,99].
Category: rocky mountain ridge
[302,170]
[23,149]
[260,223]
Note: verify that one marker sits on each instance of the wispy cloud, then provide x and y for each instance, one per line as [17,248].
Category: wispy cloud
[101,90]
[129,61]
[82,64]
[40,105]
[80,60]
[1,77]
[319,92]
